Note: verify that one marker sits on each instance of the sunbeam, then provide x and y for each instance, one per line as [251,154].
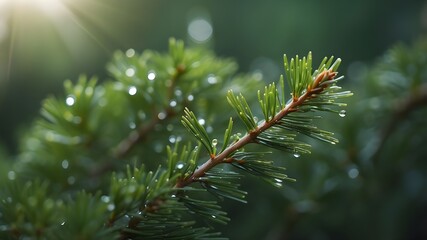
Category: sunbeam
[55,29]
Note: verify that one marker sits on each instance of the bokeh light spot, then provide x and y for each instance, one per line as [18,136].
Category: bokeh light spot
[200,30]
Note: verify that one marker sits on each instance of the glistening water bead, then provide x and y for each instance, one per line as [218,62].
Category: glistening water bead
[172,139]
[202,121]
[161,115]
[212,79]
[342,113]
[173,103]
[130,53]
[132,90]
[65,164]
[130,72]
[179,165]
[151,75]
[70,100]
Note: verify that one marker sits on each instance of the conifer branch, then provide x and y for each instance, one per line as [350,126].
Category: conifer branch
[319,84]
[143,204]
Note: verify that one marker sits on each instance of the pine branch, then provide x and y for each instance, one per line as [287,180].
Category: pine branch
[160,204]
[303,89]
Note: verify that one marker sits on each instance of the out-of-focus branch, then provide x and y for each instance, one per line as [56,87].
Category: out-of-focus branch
[404,107]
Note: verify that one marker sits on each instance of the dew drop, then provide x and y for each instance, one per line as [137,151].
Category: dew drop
[297,155]
[209,129]
[71,180]
[110,207]
[278,180]
[141,115]
[213,216]
[173,103]
[65,164]
[214,142]
[132,125]
[256,119]
[11,175]
[190,98]
[342,113]
[132,90]
[179,165]
[353,173]
[202,121]
[212,79]
[172,139]
[130,52]
[63,223]
[161,115]
[130,72]
[178,92]
[151,75]
[70,100]
[105,198]
[158,148]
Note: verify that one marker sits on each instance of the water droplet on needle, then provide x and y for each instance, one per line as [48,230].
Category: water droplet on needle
[214,142]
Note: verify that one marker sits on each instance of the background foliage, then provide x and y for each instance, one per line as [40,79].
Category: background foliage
[371,186]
